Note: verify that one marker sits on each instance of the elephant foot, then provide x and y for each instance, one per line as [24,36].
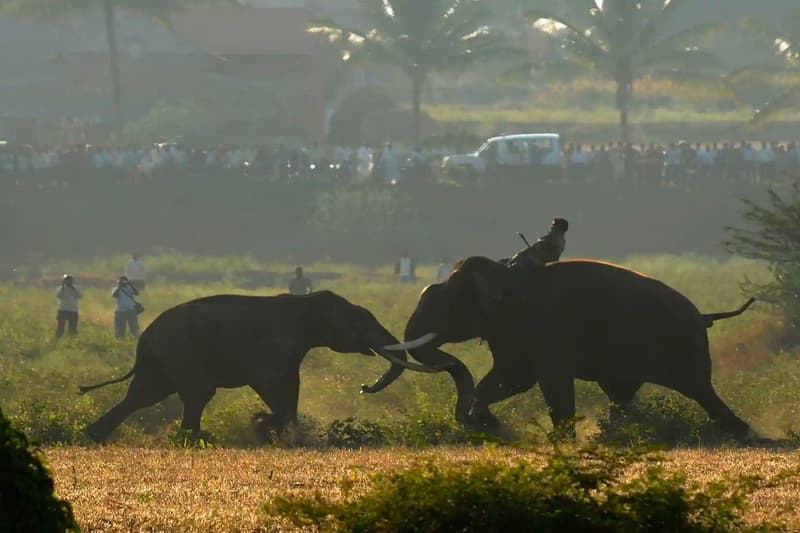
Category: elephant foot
[751,438]
[564,432]
[483,419]
[95,434]
[270,428]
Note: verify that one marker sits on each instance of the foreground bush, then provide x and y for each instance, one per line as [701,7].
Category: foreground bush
[583,491]
[27,501]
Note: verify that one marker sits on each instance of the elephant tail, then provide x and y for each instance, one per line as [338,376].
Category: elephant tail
[86,388]
[710,319]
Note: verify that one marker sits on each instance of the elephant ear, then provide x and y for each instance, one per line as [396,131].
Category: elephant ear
[490,289]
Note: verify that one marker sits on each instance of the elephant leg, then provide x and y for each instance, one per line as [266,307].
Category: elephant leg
[496,386]
[281,395]
[148,387]
[706,396]
[620,395]
[194,402]
[559,394]
[465,390]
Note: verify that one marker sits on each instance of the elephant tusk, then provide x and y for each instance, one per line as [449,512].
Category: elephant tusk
[409,365]
[410,345]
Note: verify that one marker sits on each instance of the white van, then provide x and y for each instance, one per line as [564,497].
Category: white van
[523,155]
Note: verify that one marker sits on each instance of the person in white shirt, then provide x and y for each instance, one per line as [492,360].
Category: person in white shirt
[578,163]
[405,267]
[443,270]
[136,272]
[364,164]
[125,313]
[766,162]
[67,295]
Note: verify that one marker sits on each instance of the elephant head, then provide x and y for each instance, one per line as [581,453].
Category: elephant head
[347,328]
[462,307]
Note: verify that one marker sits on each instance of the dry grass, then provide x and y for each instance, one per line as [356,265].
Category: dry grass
[125,489]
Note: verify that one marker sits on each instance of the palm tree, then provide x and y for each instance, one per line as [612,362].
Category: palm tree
[625,40]
[418,36]
[784,35]
[53,9]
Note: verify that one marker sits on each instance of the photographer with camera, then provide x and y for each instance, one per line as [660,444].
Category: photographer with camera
[67,295]
[127,308]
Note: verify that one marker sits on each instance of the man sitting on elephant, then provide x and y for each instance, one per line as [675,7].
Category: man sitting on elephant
[547,249]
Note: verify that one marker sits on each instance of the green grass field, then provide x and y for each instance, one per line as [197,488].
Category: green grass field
[39,376]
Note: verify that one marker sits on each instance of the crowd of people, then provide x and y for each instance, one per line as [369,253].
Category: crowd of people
[761,162]
[747,161]
[274,163]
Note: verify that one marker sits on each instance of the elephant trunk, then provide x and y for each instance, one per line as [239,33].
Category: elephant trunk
[379,344]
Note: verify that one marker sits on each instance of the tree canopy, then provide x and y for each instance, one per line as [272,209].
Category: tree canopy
[419,37]
[54,9]
[624,40]
[784,35]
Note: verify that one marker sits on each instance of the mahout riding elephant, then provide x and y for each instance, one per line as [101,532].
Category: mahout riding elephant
[572,319]
[231,341]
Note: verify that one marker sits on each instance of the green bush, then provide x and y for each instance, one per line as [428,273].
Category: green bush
[587,490]
[350,433]
[660,420]
[772,237]
[51,424]
[27,500]
[166,122]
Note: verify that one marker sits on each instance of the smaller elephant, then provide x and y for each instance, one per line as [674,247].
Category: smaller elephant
[231,341]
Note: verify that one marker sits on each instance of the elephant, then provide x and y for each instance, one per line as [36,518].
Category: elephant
[582,319]
[231,341]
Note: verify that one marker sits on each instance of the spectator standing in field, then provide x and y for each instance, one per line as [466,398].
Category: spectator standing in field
[672,163]
[443,270]
[578,164]
[67,295]
[602,170]
[766,162]
[300,285]
[136,272]
[748,157]
[364,162]
[125,313]
[390,165]
[617,158]
[405,268]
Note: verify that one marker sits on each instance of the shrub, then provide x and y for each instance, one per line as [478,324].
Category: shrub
[587,490]
[190,440]
[165,122]
[773,238]
[660,420]
[350,433]
[53,424]
[27,500]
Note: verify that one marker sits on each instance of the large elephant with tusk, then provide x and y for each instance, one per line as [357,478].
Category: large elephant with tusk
[231,341]
[573,319]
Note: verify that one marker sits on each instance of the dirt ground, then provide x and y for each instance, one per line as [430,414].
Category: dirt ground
[125,489]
